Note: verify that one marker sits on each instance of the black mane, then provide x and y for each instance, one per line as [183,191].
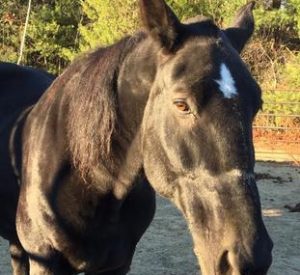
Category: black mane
[90,84]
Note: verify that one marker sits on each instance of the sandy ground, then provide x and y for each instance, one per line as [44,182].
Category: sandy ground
[166,248]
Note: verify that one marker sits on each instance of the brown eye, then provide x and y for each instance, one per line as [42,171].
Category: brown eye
[182,106]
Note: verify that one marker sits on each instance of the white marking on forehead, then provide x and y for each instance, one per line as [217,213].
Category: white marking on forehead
[226,82]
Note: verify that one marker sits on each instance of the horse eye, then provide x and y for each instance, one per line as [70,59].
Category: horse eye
[182,106]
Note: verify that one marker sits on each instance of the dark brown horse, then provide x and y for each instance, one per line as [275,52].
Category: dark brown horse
[168,109]
[20,88]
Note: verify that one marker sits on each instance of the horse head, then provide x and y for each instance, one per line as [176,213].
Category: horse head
[197,136]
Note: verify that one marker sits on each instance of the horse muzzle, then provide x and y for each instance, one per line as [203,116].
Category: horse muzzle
[228,230]
[236,262]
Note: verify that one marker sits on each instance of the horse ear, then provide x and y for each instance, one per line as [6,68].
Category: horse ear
[161,22]
[242,28]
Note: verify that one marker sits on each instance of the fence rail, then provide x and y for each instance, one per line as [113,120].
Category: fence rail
[280,102]
[277,115]
[277,131]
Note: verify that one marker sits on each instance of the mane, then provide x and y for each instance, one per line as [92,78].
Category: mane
[90,84]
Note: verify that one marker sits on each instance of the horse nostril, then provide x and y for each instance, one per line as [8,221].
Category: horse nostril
[224,265]
[235,263]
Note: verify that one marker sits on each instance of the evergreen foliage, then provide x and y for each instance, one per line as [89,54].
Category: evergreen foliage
[107,21]
[11,15]
[61,29]
[54,34]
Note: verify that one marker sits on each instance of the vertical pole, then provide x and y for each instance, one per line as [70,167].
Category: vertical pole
[24,33]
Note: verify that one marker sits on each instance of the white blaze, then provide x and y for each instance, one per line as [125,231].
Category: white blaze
[226,83]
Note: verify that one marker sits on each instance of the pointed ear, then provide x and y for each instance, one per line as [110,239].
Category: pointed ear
[160,22]
[242,28]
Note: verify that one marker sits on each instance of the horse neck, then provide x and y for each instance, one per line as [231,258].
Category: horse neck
[136,76]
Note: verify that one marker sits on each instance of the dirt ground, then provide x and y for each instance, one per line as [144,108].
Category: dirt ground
[166,248]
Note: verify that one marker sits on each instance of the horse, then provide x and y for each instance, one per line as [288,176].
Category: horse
[21,87]
[167,110]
